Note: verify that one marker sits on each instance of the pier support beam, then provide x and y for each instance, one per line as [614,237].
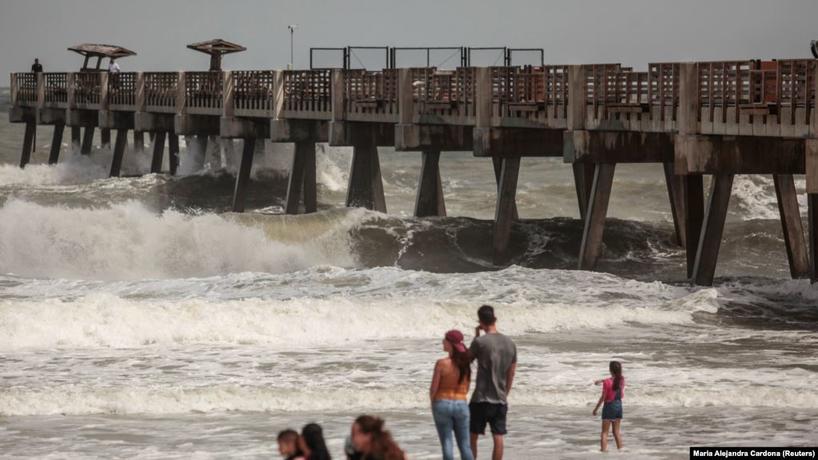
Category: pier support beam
[301,185]
[429,200]
[707,252]
[596,212]
[119,152]
[28,144]
[497,162]
[505,212]
[158,152]
[791,225]
[87,140]
[365,184]
[105,136]
[138,141]
[56,144]
[243,176]
[694,216]
[812,204]
[675,193]
[76,138]
[583,181]
[173,153]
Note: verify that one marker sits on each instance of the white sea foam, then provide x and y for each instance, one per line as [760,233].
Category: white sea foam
[128,241]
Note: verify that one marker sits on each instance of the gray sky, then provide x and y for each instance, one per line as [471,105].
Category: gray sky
[633,32]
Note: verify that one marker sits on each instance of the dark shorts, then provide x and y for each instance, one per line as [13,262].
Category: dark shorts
[493,414]
[612,410]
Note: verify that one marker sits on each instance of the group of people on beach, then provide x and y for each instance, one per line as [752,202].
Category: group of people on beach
[459,422]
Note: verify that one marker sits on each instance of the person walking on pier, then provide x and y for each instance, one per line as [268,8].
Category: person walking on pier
[37,67]
[613,389]
[449,392]
[496,356]
[113,70]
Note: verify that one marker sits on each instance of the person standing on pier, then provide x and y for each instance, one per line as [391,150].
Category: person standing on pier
[37,67]
[449,392]
[613,389]
[113,70]
[496,356]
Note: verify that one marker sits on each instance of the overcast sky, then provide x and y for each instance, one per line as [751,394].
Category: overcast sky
[633,32]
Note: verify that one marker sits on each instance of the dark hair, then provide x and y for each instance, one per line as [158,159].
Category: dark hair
[383,446]
[287,435]
[616,371]
[314,439]
[486,315]
[462,360]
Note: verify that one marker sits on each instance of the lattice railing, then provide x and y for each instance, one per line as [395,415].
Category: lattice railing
[26,88]
[449,93]
[122,90]
[56,88]
[203,92]
[371,93]
[253,92]
[160,91]
[308,90]
[87,88]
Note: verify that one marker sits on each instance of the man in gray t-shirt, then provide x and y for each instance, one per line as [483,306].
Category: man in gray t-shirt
[496,356]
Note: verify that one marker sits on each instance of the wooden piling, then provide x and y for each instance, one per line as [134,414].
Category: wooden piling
[173,153]
[158,151]
[87,140]
[243,176]
[119,152]
[497,163]
[791,225]
[429,200]
[707,252]
[28,143]
[301,185]
[504,214]
[56,144]
[365,187]
[694,216]
[583,182]
[597,210]
[675,193]
[76,139]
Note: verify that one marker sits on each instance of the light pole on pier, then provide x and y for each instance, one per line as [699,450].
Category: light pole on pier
[292,31]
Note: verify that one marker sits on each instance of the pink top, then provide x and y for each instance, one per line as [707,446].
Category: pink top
[608,391]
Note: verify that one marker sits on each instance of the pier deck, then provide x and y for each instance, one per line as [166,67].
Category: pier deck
[696,118]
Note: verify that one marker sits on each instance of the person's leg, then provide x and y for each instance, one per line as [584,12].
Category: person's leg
[441,411]
[617,435]
[461,430]
[473,445]
[497,421]
[497,453]
[477,424]
[603,439]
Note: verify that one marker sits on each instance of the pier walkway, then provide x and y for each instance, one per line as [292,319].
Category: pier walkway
[696,118]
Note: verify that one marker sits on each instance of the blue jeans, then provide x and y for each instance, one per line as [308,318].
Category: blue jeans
[452,416]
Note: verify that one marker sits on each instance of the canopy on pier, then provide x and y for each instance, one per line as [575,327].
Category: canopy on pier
[216,48]
[100,51]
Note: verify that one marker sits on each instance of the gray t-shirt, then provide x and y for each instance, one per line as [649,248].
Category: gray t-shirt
[495,354]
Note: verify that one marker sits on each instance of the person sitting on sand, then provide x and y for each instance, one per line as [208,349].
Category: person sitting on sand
[288,445]
[369,438]
[613,389]
[449,392]
[312,443]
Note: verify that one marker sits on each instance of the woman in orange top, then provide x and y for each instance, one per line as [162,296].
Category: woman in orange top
[449,393]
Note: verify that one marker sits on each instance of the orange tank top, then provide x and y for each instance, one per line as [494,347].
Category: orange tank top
[450,386]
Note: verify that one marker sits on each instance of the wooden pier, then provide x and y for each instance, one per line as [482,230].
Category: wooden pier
[695,118]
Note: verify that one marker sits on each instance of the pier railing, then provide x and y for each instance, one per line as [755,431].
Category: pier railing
[760,98]
[161,89]
[307,94]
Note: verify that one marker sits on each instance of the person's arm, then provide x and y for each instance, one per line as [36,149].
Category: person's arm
[435,382]
[598,403]
[474,347]
[510,377]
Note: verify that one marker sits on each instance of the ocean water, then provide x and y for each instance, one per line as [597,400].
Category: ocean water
[140,318]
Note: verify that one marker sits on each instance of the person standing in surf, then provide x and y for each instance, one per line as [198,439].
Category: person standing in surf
[449,392]
[496,356]
[613,390]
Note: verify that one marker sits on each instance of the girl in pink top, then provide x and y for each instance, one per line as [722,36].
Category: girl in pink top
[613,389]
